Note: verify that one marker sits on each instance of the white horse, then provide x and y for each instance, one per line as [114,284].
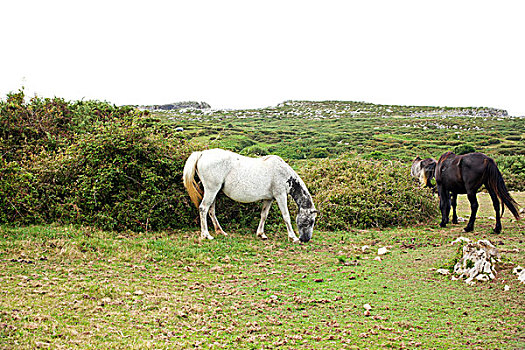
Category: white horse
[247,180]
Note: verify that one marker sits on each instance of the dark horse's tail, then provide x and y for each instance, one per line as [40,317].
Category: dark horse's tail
[496,184]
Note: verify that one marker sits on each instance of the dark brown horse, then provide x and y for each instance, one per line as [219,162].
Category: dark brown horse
[466,174]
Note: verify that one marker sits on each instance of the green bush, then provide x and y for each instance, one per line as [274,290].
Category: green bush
[19,196]
[255,151]
[512,168]
[121,178]
[464,149]
[43,124]
[364,193]
[90,163]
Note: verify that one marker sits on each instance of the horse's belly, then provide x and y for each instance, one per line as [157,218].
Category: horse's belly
[246,190]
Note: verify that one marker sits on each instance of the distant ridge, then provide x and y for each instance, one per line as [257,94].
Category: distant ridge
[177,106]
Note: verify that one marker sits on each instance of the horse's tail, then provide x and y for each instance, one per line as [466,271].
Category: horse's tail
[497,184]
[188,178]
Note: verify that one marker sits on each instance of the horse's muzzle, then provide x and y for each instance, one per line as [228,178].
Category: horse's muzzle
[305,237]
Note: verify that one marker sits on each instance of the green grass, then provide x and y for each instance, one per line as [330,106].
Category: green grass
[66,287]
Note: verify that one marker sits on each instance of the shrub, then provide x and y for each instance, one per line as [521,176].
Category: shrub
[512,168]
[319,152]
[89,162]
[121,178]
[464,149]
[378,155]
[255,151]
[364,193]
[19,195]
[51,124]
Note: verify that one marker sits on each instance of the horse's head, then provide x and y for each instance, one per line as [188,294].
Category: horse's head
[416,167]
[305,223]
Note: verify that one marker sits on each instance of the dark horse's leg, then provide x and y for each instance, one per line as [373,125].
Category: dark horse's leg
[444,205]
[473,210]
[454,202]
[495,203]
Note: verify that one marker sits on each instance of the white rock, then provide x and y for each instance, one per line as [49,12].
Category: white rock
[443,271]
[377,258]
[367,307]
[382,251]
[478,261]
[365,248]
[506,288]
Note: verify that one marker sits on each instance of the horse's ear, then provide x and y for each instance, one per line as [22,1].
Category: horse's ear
[417,158]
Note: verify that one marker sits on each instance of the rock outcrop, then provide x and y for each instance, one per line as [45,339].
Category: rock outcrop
[177,106]
[478,261]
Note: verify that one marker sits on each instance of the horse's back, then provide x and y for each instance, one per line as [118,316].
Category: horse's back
[241,178]
[462,173]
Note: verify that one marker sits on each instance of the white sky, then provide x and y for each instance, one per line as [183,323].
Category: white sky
[248,53]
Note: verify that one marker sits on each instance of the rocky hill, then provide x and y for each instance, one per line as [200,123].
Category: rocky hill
[177,106]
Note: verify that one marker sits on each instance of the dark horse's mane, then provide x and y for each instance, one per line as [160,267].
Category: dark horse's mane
[465,174]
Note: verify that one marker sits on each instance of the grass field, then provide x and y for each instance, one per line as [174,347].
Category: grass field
[67,287]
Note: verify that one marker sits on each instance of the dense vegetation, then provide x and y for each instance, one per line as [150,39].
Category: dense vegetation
[119,168]
[91,163]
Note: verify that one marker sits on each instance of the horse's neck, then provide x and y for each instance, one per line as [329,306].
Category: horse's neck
[299,192]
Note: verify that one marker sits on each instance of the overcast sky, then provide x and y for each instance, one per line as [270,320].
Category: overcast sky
[243,54]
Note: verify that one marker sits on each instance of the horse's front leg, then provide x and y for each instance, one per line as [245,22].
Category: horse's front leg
[267,204]
[473,210]
[216,225]
[454,202]
[281,202]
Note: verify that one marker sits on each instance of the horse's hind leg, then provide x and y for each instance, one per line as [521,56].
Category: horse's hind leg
[216,225]
[495,203]
[281,201]
[473,210]
[454,202]
[207,201]
[267,204]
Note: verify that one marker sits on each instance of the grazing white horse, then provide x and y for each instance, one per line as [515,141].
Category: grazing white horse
[247,180]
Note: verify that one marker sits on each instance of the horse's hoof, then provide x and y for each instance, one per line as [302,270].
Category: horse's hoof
[223,233]
[442,225]
[206,237]
[468,229]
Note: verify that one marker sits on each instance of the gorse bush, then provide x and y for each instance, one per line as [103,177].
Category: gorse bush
[117,179]
[464,149]
[363,193]
[89,163]
[513,170]
[27,128]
